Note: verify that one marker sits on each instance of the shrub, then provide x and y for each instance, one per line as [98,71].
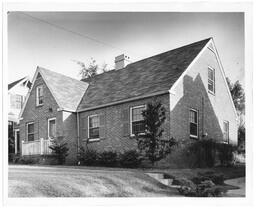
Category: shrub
[88,157]
[108,158]
[60,149]
[130,159]
[215,178]
[27,160]
[225,153]
[204,152]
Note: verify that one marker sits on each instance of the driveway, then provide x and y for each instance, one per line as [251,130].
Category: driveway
[51,181]
[238,182]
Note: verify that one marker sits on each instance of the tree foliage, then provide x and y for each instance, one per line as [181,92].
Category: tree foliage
[151,144]
[91,69]
[60,149]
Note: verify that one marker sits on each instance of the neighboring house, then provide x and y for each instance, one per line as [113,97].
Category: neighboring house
[17,92]
[106,112]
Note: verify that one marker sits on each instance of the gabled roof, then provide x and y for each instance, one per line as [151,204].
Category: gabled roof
[145,77]
[67,91]
[11,85]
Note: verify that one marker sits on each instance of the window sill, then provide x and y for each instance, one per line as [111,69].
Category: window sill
[193,137]
[94,140]
[212,93]
[40,105]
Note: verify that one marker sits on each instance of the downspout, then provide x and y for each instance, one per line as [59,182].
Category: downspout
[78,135]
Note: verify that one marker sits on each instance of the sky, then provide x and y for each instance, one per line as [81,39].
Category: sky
[53,40]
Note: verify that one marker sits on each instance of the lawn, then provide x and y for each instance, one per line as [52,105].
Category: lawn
[50,181]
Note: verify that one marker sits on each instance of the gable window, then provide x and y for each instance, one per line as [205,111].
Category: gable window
[137,121]
[94,127]
[52,128]
[30,131]
[18,101]
[193,123]
[211,80]
[226,131]
[39,95]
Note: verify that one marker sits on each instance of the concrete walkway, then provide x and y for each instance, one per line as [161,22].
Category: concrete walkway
[239,182]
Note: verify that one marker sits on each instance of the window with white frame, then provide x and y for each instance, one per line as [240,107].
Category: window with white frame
[226,131]
[137,121]
[39,95]
[211,80]
[30,131]
[18,101]
[193,123]
[52,128]
[94,127]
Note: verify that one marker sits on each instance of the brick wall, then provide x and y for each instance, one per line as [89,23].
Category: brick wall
[114,134]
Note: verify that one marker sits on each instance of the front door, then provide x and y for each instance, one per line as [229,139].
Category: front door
[17,141]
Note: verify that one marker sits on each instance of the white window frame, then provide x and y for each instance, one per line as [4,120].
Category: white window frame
[213,81]
[30,133]
[51,119]
[227,122]
[37,96]
[18,102]
[131,108]
[15,139]
[88,122]
[197,124]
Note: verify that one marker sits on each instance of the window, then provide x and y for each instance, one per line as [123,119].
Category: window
[193,123]
[94,127]
[39,95]
[211,80]
[51,128]
[137,121]
[30,132]
[226,131]
[18,101]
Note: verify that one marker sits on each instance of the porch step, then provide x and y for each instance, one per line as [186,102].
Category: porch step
[161,178]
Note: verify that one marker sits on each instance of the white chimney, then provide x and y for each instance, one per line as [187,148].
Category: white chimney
[121,61]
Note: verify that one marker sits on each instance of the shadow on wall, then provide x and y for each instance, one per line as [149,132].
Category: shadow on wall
[195,96]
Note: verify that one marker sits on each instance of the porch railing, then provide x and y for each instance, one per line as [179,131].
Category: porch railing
[37,147]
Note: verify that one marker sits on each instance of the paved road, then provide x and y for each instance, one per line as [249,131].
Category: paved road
[51,181]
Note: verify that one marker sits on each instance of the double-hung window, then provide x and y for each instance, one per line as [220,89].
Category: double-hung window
[137,121]
[30,132]
[18,102]
[39,95]
[51,128]
[94,127]
[193,123]
[226,131]
[211,80]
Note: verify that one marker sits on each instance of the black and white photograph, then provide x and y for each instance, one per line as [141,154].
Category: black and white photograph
[126,104]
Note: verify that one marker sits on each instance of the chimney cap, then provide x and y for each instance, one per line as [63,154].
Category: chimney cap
[121,57]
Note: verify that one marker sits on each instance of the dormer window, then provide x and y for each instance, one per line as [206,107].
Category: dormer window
[211,80]
[39,95]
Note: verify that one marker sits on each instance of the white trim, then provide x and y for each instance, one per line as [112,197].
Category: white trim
[27,130]
[88,126]
[50,119]
[197,123]
[26,78]
[15,140]
[131,108]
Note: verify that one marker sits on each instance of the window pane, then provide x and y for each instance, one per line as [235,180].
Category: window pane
[138,127]
[94,133]
[193,116]
[193,129]
[94,121]
[30,137]
[52,128]
[137,114]
[31,128]
[210,74]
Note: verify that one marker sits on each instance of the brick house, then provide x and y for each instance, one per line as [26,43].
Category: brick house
[105,111]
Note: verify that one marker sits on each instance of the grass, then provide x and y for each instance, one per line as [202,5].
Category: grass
[57,181]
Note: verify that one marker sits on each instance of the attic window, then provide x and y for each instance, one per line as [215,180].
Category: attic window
[39,95]
[211,80]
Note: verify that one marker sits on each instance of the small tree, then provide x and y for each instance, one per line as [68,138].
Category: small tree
[151,144]
[60,149]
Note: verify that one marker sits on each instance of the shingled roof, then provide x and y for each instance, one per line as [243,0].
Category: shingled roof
[148,76]
[67,91]
[11,85]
